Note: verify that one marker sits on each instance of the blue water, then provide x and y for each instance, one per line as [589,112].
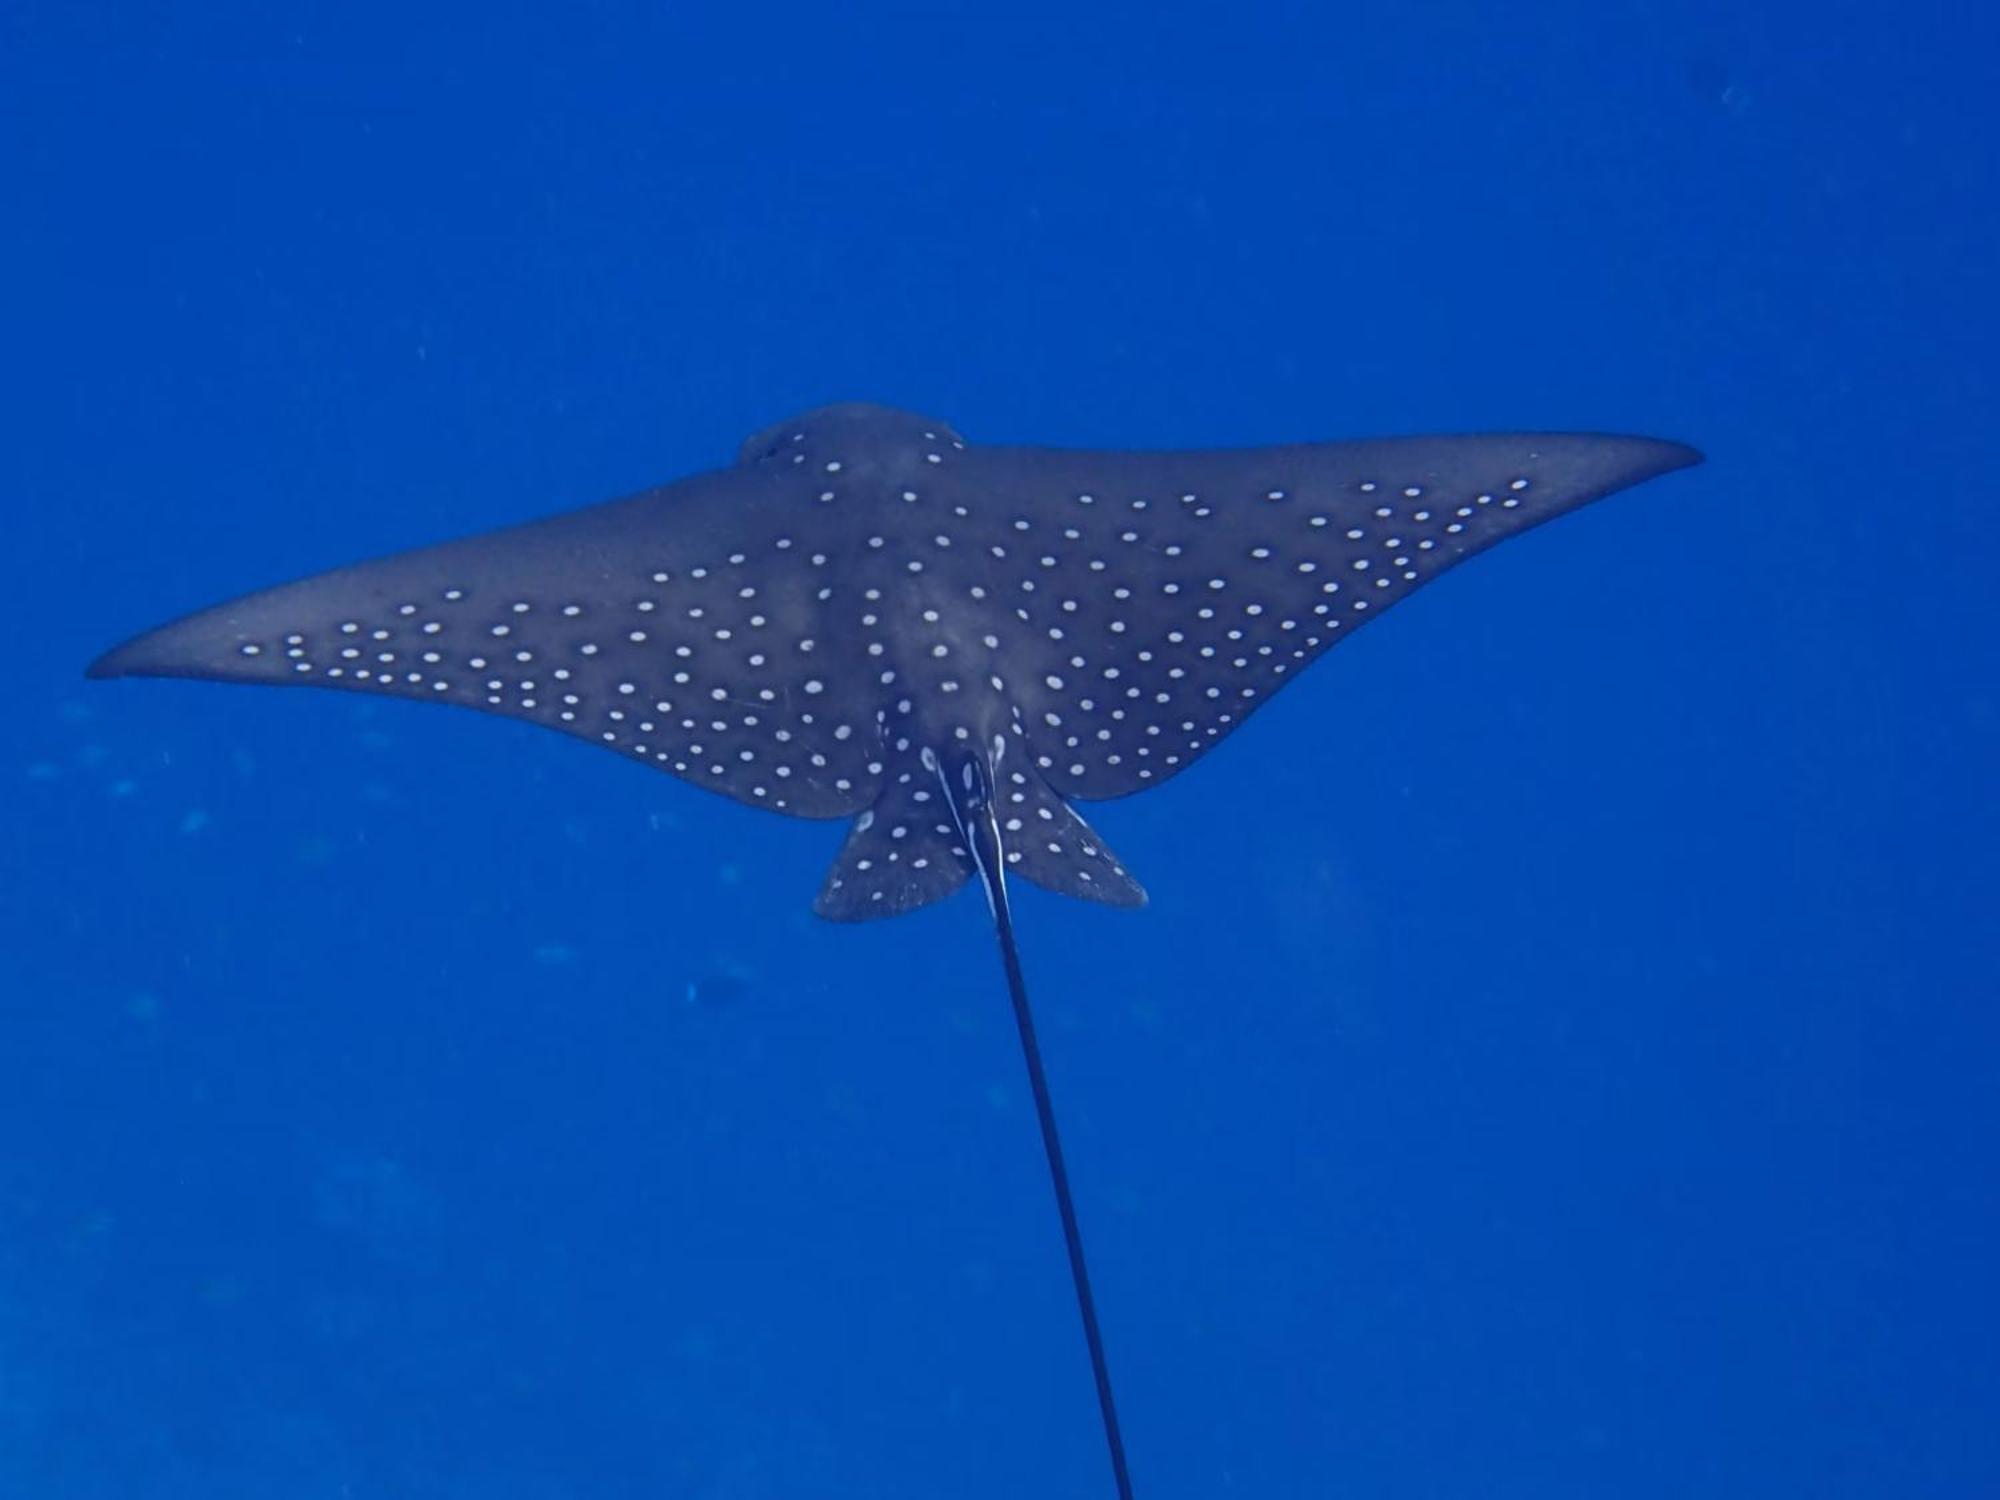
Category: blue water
[1560,1055]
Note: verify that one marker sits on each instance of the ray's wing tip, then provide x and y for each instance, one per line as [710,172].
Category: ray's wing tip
[182,650]
[1670,455]
[221,644]
[1637,452]
[150,655]
[1644,458]
[1601,462]
[120,661]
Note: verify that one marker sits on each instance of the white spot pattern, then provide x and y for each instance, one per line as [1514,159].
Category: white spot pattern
[863,588]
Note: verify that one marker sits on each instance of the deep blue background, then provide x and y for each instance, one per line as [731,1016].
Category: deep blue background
[1561,1055]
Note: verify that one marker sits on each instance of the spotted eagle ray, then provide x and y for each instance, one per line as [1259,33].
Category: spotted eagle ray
[869,618]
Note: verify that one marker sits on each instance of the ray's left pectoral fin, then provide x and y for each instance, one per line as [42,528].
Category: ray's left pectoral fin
[1044,841]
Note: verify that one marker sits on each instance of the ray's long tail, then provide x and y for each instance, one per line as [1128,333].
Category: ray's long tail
[973,807]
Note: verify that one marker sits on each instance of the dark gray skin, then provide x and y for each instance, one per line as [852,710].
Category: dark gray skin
[869,618]
[863,586]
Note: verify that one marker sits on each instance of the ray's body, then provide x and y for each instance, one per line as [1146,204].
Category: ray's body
[950,644]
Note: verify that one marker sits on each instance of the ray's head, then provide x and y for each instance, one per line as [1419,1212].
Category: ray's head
[843,433]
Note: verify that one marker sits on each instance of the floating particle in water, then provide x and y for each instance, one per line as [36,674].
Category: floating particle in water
[721,986]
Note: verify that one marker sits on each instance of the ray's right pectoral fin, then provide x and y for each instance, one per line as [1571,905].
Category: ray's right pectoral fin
[902,853]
